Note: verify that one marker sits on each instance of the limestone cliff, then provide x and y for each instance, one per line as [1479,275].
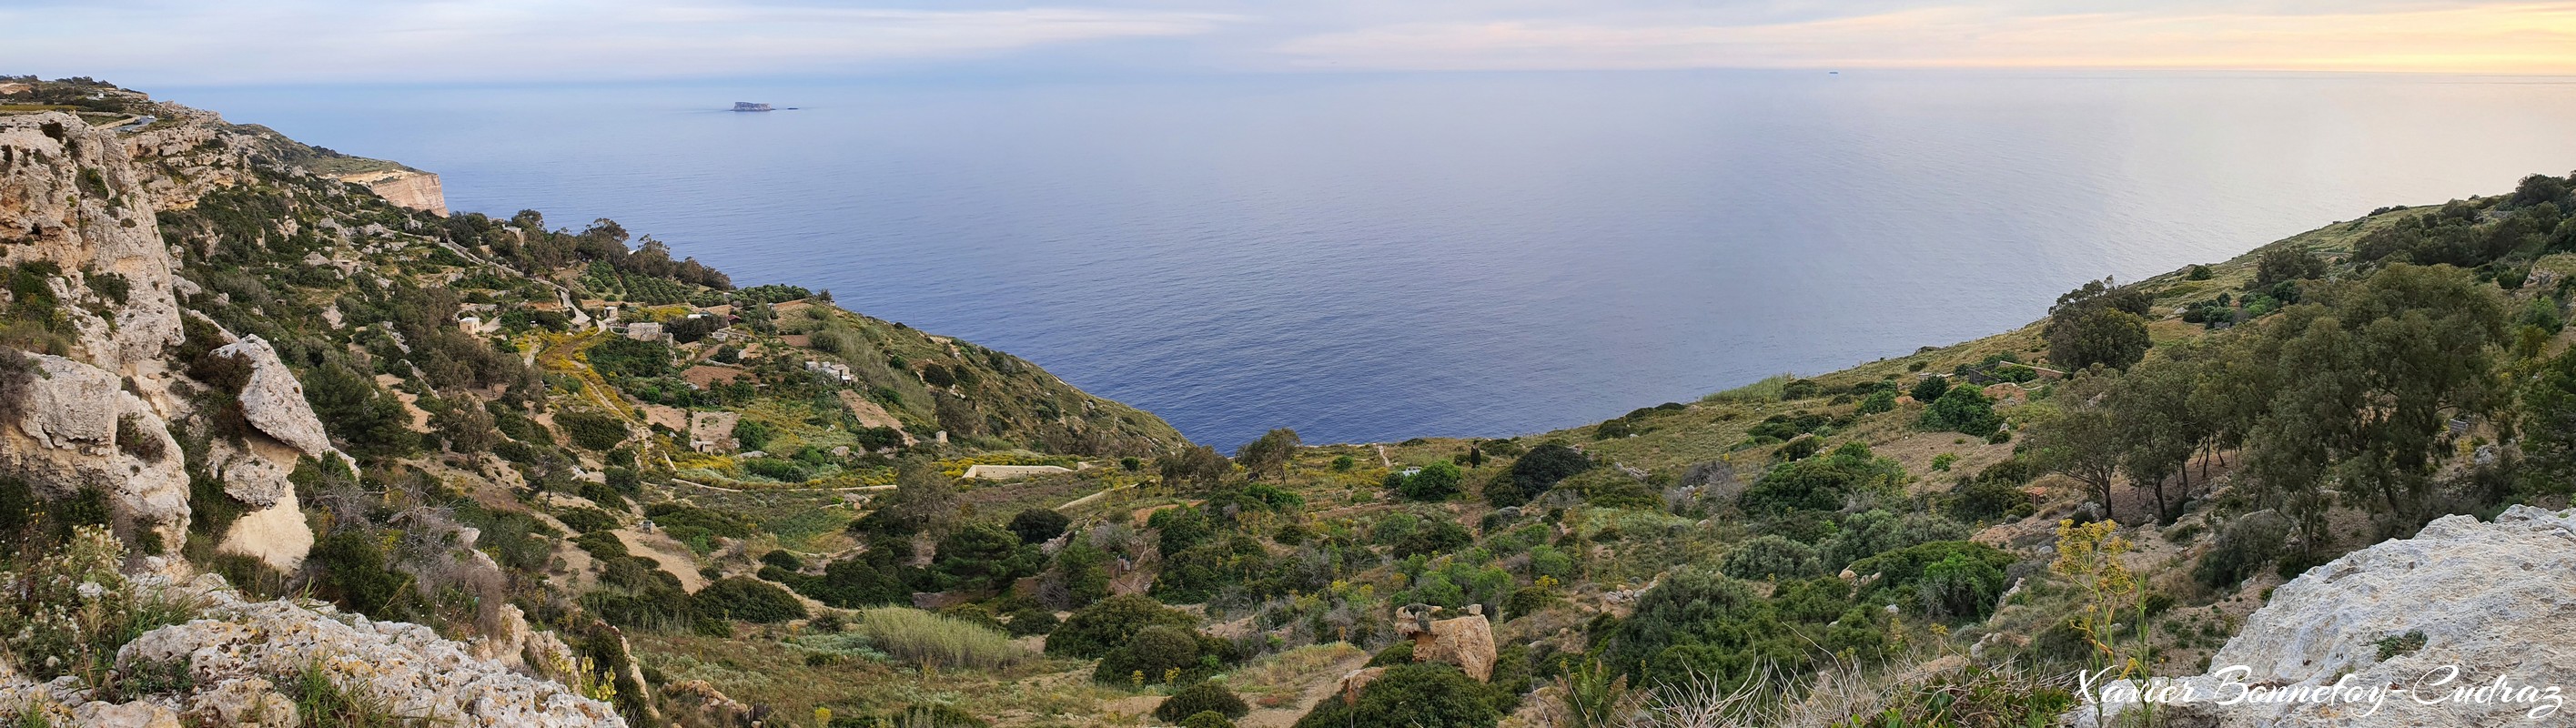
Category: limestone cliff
[408,188]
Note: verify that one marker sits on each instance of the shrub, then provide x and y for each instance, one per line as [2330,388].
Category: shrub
[2244,546]
[1204,697]
[1180,528]
[1771,557]
[1821,484]
[1437,482]
[931,640]
[1039,525]
[783,559]
[749,600]
[1440,535]
[1411,696]
[1207,719]
[587,520]
[1160,652]
[354,572]
[1880,401]
[1964,410]
[1106,625]
[1986,500]
[597,431]
[1031,621]
[1930,389]
[1400,653]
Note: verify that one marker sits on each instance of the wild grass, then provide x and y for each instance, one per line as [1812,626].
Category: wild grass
[1769,389]
[932,641]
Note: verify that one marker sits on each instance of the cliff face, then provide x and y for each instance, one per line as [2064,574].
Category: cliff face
[411,189]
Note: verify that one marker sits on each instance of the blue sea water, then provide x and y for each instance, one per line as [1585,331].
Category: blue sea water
[1375,257]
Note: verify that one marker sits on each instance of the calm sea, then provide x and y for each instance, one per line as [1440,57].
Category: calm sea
[1375,257]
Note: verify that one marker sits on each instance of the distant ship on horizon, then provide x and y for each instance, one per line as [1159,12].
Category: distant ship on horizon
[750,106]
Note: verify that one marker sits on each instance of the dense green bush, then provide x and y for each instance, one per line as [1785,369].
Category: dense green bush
[592,430]
[1535,472]
[1039,525]
[1821,484]
[1031,621]
[587,520]
[621,356]
[1400,653]
[1942,579]
[1201,698]
[1771,557]
[1880,401]
[1411,696]
[1096,630]
[1964,410]
[983,557]
[1178,529]
[1159,653]
[2243,547]
[354,573]
[1437,536]
[749,600]
[1207,719]
[1930,389]
[1436,482]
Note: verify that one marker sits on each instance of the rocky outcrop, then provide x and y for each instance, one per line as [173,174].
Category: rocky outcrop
[408,188]
[237,651]
[66,440]
[273,401]
[2404,625]
[70,196]
[1467,642]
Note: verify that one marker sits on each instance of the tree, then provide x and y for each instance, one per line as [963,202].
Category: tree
[2084,336]
[2549,424]
[2081,438]
[2098,323]
[2158,428]
[924,499]
[1269,454]
[2371,374]
[984,558]
[1198,465]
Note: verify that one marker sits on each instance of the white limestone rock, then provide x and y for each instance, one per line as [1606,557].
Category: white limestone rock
[2493,599]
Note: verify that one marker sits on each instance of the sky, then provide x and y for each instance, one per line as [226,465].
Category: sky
[196,42]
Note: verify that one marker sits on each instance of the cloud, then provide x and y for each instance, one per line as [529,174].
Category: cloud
[2527,38]
[157,42]
[483,40]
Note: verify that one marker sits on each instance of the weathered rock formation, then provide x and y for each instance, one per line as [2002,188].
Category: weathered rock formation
[237,654]
[1467,642]
[408,188]
[2489,600]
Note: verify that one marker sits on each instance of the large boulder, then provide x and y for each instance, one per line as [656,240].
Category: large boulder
[273,401]
[1467,642]
[2400,624]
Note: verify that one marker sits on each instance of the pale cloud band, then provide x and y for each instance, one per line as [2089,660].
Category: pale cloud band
[2511,39]
[165,41]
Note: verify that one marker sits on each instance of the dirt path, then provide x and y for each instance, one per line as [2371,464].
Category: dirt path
[1316,693]
[670,554]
